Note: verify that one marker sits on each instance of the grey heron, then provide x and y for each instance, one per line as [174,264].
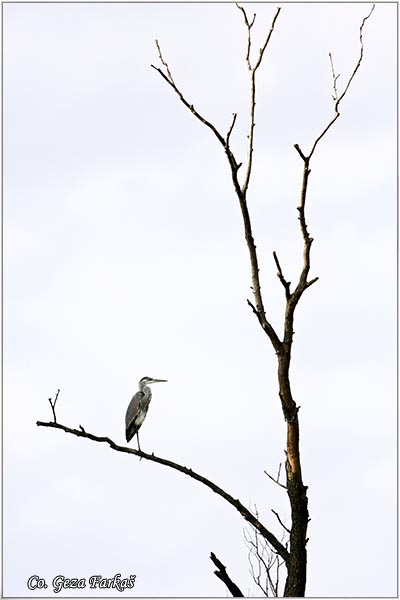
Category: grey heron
[138,407]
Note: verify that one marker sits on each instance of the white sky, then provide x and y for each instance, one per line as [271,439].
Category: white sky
[124,256]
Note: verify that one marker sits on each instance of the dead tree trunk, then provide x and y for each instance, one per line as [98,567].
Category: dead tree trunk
[296,562]
[294,557]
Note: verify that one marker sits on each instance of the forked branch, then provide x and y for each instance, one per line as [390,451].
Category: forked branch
[303,282]
[252,72]
[53,405]
[338,98]
[240,189]
[167,76]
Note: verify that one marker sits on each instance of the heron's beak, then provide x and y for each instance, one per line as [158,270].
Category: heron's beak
[159,381]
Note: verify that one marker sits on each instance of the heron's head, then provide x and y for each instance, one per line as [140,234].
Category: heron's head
[148,380]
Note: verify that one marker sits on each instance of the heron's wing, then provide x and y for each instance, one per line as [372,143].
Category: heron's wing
[131,414]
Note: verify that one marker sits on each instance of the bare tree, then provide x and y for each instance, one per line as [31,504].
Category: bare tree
[267,548]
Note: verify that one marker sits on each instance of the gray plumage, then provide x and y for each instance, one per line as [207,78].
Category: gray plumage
[138,407]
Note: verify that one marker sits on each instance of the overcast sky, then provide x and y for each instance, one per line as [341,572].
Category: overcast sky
[124,256]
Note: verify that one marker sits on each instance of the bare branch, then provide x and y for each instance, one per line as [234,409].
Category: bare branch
[53,405]
[246,514]
[168,78]
[223,576]
[276,481]
[303,156]
[286,284]
[254,551]
[308,240]
[249,26]
[335,78]
[262,49]
[303,284]
[225,142]
[279,519]
[308,283]
[260,314]
[288,405]
[360,57]
[164,63]
[240,190]
[278,566]
[346,87]
[228,135]
[252,71]
[293,298]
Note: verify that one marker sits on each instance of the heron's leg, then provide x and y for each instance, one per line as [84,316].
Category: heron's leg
[138,443]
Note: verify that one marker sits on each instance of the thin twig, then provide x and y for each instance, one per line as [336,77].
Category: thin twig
[338,100]
[279,471]
[53,405]
[266,559]
[164,63]
[303,156]
[335,78]
[249,26]
[279,519]
[263,48]
[278,566]
[361,55]
[240,190]
[254,551]
[228,135]
[224,141]
[168,78]
[276,481]
[252,71]
[286,284]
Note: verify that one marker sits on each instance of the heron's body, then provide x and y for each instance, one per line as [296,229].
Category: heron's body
[138,407]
